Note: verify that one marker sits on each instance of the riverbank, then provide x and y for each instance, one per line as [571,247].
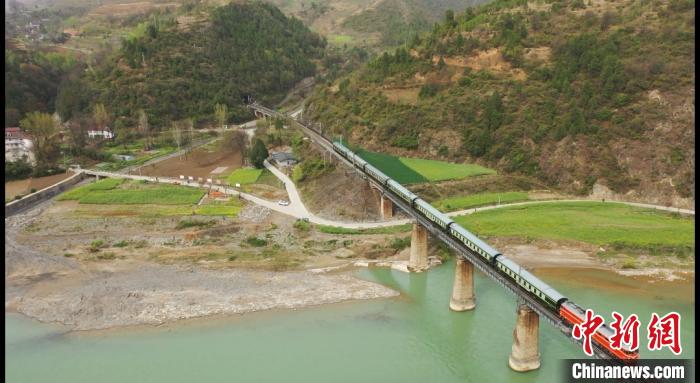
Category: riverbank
[156,294]
[86,295]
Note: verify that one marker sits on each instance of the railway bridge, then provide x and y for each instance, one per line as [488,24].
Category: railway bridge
[524,354]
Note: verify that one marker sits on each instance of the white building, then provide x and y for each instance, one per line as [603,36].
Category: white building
[18,145]
[104,133]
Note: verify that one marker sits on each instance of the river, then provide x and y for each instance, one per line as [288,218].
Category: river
[412,338]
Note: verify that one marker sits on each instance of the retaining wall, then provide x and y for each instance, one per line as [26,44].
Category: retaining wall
[42,195]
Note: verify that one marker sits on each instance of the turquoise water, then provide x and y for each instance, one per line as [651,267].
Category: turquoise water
[412,338]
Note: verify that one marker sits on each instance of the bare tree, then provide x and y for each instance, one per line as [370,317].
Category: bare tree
[145,129]
[235,142]
[177,133]
[189,125]
[77,131]
[100,115]
[221,114]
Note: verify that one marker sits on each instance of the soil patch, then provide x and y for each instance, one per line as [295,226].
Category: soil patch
[201,162]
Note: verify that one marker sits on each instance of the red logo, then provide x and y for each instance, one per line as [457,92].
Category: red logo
[627,332]
[665,332]
[587,329]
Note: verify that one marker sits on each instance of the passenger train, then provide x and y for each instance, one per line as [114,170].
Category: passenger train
[571,313]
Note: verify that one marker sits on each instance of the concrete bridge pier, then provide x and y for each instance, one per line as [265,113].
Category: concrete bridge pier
[418,260]
[463,289]
[525,354]
[386,207]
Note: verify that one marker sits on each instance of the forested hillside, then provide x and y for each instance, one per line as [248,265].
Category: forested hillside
[587,95]
[180,67]
[31,81]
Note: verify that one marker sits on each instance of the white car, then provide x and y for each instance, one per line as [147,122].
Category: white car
[283,202]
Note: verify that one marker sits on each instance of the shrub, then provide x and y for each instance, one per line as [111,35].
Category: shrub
[399,244]
[428,90]
[193,223]
[106,256]
[96,245]
[121,243]
[255,241]
[406,141]
[17,170]
[302,225]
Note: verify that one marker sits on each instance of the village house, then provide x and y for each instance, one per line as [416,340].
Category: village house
[283,159]
[101,133]
[18,145]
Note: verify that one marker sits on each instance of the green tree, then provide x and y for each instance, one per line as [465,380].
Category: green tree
[450,18]
[279,124]
[42,127]
[258,154]
[493,112]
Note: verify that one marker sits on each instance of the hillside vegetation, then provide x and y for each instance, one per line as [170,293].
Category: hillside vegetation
[584,95]
[175,67]
[374,25]
[31,81]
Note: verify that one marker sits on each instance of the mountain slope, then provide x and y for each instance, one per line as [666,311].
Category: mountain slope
[587,96]
[174,69]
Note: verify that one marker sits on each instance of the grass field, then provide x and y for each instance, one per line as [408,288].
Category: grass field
[415,170]
[244,176]
[377,230]
[441,171]
[481,199]
[113,191]
[592,222]
[393,167]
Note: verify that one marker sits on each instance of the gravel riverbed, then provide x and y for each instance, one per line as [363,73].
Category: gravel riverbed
[87,296]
